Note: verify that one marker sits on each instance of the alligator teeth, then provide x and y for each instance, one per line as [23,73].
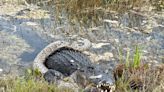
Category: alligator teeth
[98,86]
[105,87]
[105,84]
[102,90]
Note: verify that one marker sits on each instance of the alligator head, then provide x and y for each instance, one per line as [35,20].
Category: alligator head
[106,85]
[104,82]
[96,76]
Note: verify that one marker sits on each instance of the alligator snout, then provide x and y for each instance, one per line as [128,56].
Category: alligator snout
[104,83]
[106,86]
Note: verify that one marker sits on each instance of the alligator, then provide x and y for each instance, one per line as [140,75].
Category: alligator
[61,59]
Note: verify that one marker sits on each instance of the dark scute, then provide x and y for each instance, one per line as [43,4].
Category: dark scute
[67,61]
[52,76]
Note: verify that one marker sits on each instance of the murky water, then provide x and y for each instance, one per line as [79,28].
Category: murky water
[26,33]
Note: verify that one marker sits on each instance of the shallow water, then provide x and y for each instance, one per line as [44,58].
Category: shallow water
[31,37]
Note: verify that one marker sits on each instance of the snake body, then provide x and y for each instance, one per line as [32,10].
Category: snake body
[62,59]
[52,47]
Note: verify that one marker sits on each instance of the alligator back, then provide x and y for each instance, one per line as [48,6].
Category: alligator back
[54,47]
[67,60]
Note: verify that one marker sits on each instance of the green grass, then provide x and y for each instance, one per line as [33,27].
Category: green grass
[31,82]
[137,57]
[30,85]
[134,71]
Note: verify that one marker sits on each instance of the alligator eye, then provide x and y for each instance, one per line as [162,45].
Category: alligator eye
[90,67]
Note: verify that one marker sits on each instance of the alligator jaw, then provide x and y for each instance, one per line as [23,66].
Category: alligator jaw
[104,87]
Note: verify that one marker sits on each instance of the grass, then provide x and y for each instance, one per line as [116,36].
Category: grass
[134,75]
[137,57]
[30,85]
[31,82]
[92,12]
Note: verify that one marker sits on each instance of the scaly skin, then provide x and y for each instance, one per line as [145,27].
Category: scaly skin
[40,58]
[69,59]
[62,59]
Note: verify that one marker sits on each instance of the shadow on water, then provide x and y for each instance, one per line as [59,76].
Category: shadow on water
[33,37]
[34,40]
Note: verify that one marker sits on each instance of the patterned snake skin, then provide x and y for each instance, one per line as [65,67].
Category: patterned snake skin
[61,59]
